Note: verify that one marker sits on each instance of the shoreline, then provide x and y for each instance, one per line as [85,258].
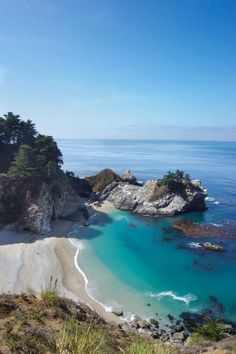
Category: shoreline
[28,261]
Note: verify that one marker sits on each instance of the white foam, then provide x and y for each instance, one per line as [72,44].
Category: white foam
[210,199]
[80,246]
[186,298]
[195,245]
[77,243]
[216,202]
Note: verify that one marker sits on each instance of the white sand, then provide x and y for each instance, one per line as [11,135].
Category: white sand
[28,261]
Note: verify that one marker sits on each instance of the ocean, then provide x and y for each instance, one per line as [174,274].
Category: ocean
[141,265]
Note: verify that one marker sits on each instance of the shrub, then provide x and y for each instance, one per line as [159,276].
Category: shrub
[212,330]
[173,178]
[146,346]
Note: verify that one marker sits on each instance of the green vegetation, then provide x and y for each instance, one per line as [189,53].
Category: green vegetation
[173,178]
[9,210]
[75,340]
[49,295]
[212,330]
[24,153]
[145,346]
[23,166]
[68,327]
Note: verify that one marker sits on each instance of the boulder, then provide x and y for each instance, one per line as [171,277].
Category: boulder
[118,312]
[127,176]
[154,322]
[212,247]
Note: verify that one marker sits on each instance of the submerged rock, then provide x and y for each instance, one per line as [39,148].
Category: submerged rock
[192,229]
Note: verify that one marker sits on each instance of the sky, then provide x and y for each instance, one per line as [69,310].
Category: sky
[152,69]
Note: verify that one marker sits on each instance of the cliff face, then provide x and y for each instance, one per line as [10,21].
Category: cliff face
[32,205]
[154,199]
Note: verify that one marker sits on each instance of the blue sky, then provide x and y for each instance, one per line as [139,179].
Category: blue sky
[121,68]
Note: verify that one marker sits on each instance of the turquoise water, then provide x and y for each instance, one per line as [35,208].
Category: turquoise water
[141,265]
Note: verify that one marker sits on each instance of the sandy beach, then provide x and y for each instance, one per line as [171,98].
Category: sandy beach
[28,261]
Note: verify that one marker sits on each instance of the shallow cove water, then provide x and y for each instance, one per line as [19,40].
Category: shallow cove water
[142,265]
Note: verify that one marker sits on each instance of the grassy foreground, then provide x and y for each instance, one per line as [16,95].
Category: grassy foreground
[51,324]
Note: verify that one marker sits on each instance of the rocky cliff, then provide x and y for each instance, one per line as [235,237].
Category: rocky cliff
[33,204]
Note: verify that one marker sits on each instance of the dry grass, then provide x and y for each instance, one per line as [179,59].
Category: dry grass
[72,339]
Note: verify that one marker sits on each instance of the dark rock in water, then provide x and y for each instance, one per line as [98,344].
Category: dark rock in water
[219,307]
[191,320]
[118,312]
[154,322]
[178,328]
[192,229]
[213,299]
[212,247]
[170,317]
[205,266]
[103,179]
[148,305]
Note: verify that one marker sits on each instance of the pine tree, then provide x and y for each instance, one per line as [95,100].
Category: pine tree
[23,166]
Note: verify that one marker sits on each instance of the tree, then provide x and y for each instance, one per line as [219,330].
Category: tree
[23,165]
[13,130]
[176,177]
[46,150]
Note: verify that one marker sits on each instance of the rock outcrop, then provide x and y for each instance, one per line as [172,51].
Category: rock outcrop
[127,176]
[154,199]
[103,179]
[32,205]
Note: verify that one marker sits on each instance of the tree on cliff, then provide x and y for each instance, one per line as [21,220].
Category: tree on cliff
[13,130]
[46,150]
[176,177]
[23,166]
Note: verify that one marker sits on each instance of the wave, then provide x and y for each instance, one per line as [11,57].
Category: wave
[216,202]
[210,199]
[195,245]
[186,298]
[77,243]
[80,246]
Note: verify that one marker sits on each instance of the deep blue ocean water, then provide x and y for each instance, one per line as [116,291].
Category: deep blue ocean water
[141,265]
